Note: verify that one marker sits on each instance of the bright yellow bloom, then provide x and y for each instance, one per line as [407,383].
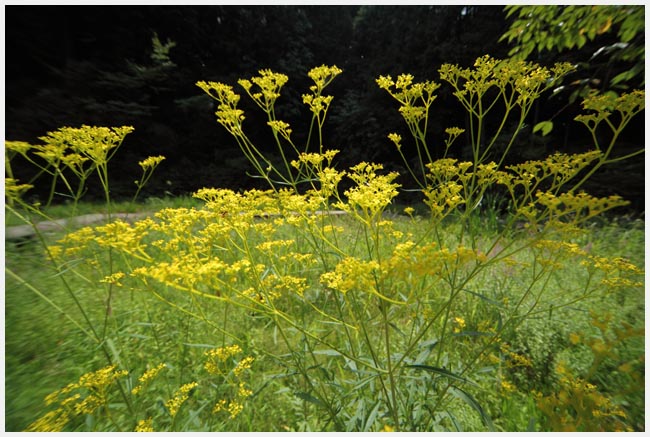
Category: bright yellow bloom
[113,279]
[243,391]
[234,408]
[181,395]
[146,377]
[151,162]
[145,425]
[460,324]
[53,421]
[20,147]
[243,365]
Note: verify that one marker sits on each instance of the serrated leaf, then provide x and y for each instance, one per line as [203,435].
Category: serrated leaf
[469,400]
[545,126]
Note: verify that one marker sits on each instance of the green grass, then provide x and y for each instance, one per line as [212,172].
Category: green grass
[43,345]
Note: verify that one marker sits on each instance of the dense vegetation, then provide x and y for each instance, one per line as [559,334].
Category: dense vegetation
[464,283]
[99,66]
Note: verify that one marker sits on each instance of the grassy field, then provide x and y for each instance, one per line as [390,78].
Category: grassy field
[312,357]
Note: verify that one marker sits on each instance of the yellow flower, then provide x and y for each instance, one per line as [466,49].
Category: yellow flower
[13,190]
[280,127]
[53,421]
[146,377]
[113,279]
[151,162]
[181,395]
[460,324]
[145,425]
[220,355]
[323,76]
[454,131]
[234,408]
[243,391]
[351,274]
[17,147]
[507,386]
[96,383]
[243,365]
[220,406]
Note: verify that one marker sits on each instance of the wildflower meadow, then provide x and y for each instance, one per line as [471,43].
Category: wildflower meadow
[505,299]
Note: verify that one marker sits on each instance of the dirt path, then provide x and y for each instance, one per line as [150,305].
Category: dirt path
[27,231]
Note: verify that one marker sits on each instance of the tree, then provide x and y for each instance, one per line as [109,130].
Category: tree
[539,29]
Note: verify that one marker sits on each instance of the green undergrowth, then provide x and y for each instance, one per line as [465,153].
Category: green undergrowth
[144,331]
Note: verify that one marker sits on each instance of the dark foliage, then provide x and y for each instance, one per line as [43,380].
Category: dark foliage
[73,65]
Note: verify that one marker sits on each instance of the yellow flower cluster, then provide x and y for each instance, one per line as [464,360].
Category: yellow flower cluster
[372,193]
[280,127]
[180,396]
[443,198]
[243,365]
[96,143]
[151,162]
[578,406]
[20,147]
[269,84]
[627,105]
[352,274]
[317,104]
[227,113]
[14,190]
[82,397]
[147,377]
[145,425]
[323,76]
[216,365]
[114,279]
[221,354]
[526,80]
[515,359]
[415,98]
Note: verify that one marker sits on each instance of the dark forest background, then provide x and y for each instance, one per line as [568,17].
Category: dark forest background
[74,65]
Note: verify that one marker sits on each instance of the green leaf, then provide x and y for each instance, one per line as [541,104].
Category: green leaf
[115,352]
[457,425]
[480,296]
[531,425]
[372,417]
[442,372]
[201,345]
[545,126]
[330,352]
[469,400]
[309,398]
[624,76]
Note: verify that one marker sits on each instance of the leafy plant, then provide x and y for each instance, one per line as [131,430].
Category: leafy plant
[364,321]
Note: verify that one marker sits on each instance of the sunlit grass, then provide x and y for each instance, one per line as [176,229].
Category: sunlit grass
[42,344]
